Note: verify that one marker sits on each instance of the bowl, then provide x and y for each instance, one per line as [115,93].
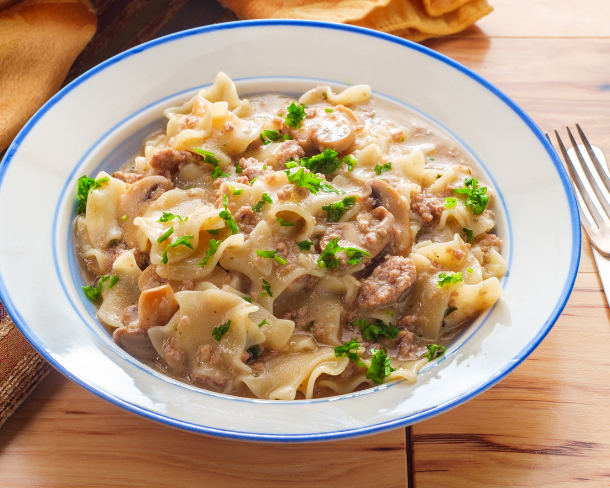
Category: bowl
[99,121]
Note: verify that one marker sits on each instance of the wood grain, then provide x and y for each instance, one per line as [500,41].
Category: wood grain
[64,436]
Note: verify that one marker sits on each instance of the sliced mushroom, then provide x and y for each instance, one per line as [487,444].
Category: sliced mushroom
[156,306]
[150,279]
[134,202]
[321,129]
[384,195]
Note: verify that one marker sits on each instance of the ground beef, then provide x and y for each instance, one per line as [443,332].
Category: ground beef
[485,241]
[127,177]
[167,162]
[246,219]
[252,168]
[142,259]
[287,150]
[387,283]
[300,318]
[429,208]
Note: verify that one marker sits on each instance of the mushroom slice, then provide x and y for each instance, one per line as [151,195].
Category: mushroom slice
[384,195]
[322,129]
[134,202]
[156,306]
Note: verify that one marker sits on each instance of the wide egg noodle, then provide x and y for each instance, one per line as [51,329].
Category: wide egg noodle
[101,214]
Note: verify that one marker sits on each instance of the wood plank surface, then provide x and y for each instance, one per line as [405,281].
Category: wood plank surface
[64,436]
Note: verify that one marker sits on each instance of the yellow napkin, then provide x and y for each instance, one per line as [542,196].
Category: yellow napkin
[413,19]
[39,41]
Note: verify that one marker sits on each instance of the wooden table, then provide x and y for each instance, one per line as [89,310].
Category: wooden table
[544,425]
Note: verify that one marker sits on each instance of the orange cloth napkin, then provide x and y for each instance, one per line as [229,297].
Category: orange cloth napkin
[415,20]
[39,40]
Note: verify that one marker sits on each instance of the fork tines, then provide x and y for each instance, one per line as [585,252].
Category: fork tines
[600,236]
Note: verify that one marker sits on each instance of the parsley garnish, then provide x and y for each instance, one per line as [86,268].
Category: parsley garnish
[85,186]
[208,157]
[167,233]
[306,180]
[380,168]
[265,198]
[304,245]
[350,349]
[248,299]
[181,241]
[380,366]
[328,259]
[236,191]
[469,234]
[470,270]
[350,161]
[326,188]
[325,162]
[214,232]
[217,173]
[271,255]
[291,163]
[94,293]
[477,198]
[296,114]
[390,313]
[263,323]
[269,136]
[370,332]
[167,216]
[214,244]
[450,202]
[221,330]
[238,168]
[283,223]
[267,289]
[434,351]
[334,211]
[450,310]
[448,279]
[226,215]
[124,217]
[252,182]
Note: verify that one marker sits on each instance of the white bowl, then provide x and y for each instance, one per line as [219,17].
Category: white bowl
[98,122]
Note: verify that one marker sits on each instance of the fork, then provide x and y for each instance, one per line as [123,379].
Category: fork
[598,230]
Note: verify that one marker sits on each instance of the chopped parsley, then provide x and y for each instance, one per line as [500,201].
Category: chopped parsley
[306,180]
[469,234]
[434,351]
[271,255]
[450,202]
[221,330]
[124,217]
[350,349]
[370,332]
[390,313]
[226,215]
[269,136]
[350,161]
[263,323]
[236,191]
[328,110]
[380,366]
[291,163]
[326,188]
[470,270]
[266,289]
[450,310]
[208,157]
[248,299]
[477,199]
[85,186]
[334,211]
[94,293]
[238,168]
[431,158]
[296,114]
[265,198]
[252,182]
[328,259]
[214,244]
[167,216]
[325,162]
[283,223]
[214,232]
[181,241]
[217,173]
[380,168]
[448,279]
[166,234]
[304,245]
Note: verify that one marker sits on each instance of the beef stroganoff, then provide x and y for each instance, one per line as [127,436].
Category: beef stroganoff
[285,249]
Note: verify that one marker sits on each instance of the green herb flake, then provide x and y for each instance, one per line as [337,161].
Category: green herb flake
[263,323]
[167,216]
[476,199]
[85,186]
[370,332]
[326,188]
[181,241]
[291,163]
[226,215]
[214,244]
[350,161]
[283,223]
[431,158]
[470,270]
[248,299]
[355,255]
[213,232]
[94,293]
[448,279]
[328,110]
[335,211]
[434,351]
[166,234]
[266,289]
[390,313]
[305,180]
[380,168]
[238,168]
[271,255]
[325,162]
[380,366]
[113,281]
[265,198]
[252,182]
[469,234]
[217,173]
[221,330]
[450,310]
[328,259]
[124,217]
[296,114]
[304,245]
[236,191]
[208,157]
[269,136]
[450,202]
[350,349]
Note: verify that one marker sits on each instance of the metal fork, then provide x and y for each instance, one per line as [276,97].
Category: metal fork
[598,230]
